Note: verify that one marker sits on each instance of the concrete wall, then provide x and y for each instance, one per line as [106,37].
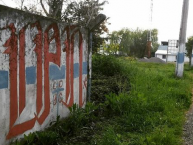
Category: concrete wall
[186,59]
[159,56]
[171,58]
[43,71]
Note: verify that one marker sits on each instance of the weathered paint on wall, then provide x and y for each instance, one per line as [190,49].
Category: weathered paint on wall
[43,71]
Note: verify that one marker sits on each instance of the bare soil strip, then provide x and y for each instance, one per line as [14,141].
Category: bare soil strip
[188,126]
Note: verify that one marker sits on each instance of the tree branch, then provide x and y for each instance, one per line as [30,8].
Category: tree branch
[45,11]
[22,1]
[59,7]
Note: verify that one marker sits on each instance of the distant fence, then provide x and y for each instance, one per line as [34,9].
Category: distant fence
[43,71]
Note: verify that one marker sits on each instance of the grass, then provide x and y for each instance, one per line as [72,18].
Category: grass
[134,103]
[153,111]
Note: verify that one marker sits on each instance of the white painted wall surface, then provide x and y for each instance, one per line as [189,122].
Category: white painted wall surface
[171,58]
[21,110]
[160,56]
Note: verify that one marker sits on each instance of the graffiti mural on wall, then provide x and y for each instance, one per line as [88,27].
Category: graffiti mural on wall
[48,68]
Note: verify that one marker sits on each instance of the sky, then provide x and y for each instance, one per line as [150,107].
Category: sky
[134,14]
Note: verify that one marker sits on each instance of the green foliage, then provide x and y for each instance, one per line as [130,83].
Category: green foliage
[82,13]
[39,138]
[30,138]
[150,113]
[109,137]
[62,130]
[106,65]
[108,77]
[79,117]
[189,45]
[114,46]
[111,48]
[132,42]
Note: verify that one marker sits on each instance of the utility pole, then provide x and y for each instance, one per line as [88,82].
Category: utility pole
[182,40]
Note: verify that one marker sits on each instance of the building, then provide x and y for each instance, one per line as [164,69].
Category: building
[168,51]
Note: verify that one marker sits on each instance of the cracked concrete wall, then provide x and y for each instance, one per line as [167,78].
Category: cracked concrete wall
[43,71]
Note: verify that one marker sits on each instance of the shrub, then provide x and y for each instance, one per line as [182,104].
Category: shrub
[108,76]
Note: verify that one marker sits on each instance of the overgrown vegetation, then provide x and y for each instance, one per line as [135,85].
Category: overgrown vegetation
[144,105]
[108,76]
[72,12]
[131,42]
[189,48]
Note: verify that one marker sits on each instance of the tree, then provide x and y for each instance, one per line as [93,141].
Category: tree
[189,46]
[133,42]
[82,13]
[73,11]
[79,12]
[97,40]
[155,43]
[111,48]
[55,8]
[50,8]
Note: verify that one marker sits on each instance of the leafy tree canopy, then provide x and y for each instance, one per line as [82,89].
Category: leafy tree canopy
[80,12]
[189,45]
[133,42]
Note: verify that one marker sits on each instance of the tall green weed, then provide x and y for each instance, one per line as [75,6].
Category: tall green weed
[154,107]
[133,104]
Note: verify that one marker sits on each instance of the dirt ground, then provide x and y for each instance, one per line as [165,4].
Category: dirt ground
[188,127]
[152,59]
